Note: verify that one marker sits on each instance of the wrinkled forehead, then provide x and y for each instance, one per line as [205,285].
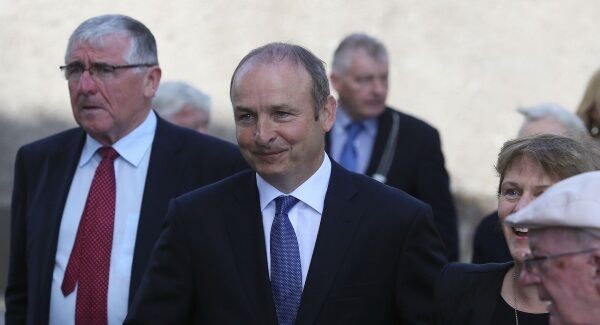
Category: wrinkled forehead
[551,240]
[115,43]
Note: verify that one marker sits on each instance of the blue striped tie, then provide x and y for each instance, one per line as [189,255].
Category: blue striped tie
[286,272]
[349,156]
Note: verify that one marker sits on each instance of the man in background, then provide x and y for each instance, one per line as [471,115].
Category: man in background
[89,203]
[182,104]
[564,236]
[392,147]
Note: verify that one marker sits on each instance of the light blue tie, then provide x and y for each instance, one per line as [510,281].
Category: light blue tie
[349,157]
[286,272]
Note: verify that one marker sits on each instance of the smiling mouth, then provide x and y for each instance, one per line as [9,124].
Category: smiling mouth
[520,232]
[268,155]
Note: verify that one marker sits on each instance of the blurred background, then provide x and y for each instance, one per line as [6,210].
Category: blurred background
[462,66]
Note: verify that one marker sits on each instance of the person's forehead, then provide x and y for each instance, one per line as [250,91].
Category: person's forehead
[550,240]
[109,45]
[360,56]
[279,73]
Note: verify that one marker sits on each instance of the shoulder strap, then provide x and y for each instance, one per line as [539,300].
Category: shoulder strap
[388,153]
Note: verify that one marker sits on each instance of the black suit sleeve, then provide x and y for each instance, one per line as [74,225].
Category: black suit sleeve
[444,296]
[16,289]
[165,295]
[433,187]
[421,260]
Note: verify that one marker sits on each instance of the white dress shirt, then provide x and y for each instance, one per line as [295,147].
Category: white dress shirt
[364,142]
[305,216]
[130,175]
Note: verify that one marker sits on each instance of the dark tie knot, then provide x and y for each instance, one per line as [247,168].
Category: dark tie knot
[284,203]
[353,129]
[108,153]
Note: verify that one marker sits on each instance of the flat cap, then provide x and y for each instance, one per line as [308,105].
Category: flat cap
[573,202]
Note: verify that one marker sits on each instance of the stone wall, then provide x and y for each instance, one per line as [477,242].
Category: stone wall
[463,66]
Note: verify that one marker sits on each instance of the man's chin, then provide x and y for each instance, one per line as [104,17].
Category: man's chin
[269,171]
[372,111]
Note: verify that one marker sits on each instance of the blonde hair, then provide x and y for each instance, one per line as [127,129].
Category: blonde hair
[589,102]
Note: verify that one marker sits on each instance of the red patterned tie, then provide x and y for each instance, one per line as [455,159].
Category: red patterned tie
[89,262]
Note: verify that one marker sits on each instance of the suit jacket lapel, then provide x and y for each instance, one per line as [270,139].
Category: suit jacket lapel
[164,172]
[244,224]
[383,129]
[338,224]
[60,169]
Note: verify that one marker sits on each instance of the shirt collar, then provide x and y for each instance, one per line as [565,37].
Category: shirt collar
[131,147]
[311,192]
[343,119]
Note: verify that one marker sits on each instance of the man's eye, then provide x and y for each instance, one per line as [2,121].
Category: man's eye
[244,117]
[281,114]
[74,69]
[102,69]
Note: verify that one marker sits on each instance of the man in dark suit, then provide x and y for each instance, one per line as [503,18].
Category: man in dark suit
[97,195]
[300,240]
[392,147]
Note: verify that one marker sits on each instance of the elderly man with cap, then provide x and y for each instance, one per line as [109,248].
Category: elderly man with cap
[564,235]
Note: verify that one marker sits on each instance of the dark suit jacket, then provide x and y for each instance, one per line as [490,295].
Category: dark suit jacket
[180,161]
[375,260]
[489,244]
[468,293]
[418,169]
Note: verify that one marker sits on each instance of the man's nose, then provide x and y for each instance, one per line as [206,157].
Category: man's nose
[87,84]
[264,133]
[379,87]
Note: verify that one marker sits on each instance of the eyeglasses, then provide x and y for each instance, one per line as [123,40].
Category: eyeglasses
[73,71]
[533,264]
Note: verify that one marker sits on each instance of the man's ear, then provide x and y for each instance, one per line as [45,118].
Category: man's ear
[152,81]
[327,113]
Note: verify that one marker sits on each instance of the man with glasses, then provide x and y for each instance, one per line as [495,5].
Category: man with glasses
[564,235]
[88,203]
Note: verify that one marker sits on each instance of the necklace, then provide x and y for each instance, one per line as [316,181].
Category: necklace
[514,275]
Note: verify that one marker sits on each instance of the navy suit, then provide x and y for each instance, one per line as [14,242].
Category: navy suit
[180,161]
[375,261]
[417,167]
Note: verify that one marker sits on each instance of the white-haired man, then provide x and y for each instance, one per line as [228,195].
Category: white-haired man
[89,203]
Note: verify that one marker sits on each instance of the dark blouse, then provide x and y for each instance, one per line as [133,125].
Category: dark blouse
[504,314]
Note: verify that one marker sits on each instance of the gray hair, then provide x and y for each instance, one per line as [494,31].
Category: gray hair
[172,96]
[279,52]
[558,156]
[570,121]
[93,30]
[353,42]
